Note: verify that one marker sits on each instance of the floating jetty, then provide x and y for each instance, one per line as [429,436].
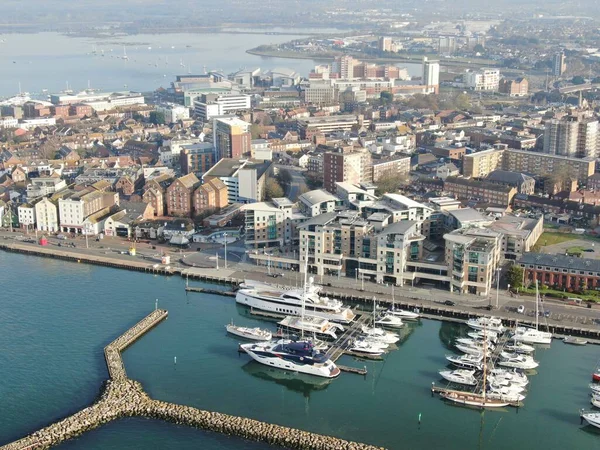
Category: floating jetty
[123,397]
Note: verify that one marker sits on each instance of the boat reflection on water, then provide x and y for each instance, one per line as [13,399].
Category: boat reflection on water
[294,381]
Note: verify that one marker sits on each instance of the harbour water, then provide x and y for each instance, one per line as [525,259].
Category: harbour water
[51,60]
[55,318]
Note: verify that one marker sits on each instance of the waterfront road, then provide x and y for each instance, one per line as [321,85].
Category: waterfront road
[203,258]
[296,186]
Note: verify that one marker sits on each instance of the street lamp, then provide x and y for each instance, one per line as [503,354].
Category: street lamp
[225,236]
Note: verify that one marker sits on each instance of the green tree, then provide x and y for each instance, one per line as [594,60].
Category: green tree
[157,118]
[478,49]
[389,182]
[386,97]
[514,276]
[578,80]
[273,189]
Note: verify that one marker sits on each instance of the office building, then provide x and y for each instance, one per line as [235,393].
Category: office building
[559,64]
[231,138]
[351,167]
[173,113]
[321,92]
[572,136]
[483,79]
[209,106]
[431,75]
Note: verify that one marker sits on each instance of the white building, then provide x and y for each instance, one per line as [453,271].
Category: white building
[483,79]
[8,122]
[46,214]
[321,92]
[44,186]
[213,105]
[29,124]
[431,76]
[173,113]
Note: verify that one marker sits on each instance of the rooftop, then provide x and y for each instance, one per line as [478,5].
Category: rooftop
[561,261]
[317,196]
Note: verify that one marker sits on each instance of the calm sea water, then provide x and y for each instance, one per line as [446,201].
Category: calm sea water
[50,60]
[55,318]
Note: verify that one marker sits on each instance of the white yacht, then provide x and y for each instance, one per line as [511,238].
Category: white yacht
[389,321]
[295,356]
[593,418]
[511,376]
[361,346]
[460,376]
[488,335]
[404,314]
[253,334]
[380,335]
[524,362]
[289,302]
[519,347]
[466,361]
[489,323]
[369,340]
[312,325]
[505,386]
[474,343]
[595,387]
[470,350]
[505,395]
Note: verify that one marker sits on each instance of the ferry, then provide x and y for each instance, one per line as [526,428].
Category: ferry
[289,302]
[299,357]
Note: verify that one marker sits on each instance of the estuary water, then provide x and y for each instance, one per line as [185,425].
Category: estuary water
[51,61]
[56,317]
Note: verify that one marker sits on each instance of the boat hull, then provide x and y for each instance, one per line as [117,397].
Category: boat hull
[250,337]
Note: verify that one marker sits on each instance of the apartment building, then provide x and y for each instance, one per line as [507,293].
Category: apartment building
[26,214]
[481,164]
[431,76]
[210,196]
[463,188]
[353,167]
[231,138]
[75,209]
[396,165]
[245,179]
[311,126]
[179,196]
[519,234]
[472,256]
[46,214]
[321,92]
[514,88]
[560,271]
[572,136]
[523,183]
[197,158]
[559,64]
[540,164]
[317,202]
[270,224]
[483,79]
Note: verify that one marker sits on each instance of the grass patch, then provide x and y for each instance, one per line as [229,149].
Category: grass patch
[575,251]
[558,293]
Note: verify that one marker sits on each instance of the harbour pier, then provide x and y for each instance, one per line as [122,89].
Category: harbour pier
[124,397]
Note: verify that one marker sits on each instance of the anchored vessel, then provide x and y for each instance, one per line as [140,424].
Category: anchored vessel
[253,334]
[271,299]
[296,356]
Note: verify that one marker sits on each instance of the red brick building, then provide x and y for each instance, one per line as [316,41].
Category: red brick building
[560,271]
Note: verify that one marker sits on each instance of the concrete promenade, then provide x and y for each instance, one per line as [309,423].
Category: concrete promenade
[123,397]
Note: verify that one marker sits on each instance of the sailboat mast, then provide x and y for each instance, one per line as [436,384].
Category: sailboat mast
[304,291]
[484,361]
[537,297]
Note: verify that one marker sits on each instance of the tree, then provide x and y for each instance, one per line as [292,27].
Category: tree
[514,276]
[478,49]
[157,118]
[273,189]
[284,177]
[578,80]
[386,97]
[389,182]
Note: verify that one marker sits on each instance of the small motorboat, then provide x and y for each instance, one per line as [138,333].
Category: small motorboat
[489,336]
[524,362]
[519,347]
[253,334]
[466,361]
[596,376]
[404,314]
[512,376]
[574,340]
[595,400]
[469,350]
[366,348]
[593,418]
[505,395]
[380,335]
[505,386]
[595,388]
[389,321]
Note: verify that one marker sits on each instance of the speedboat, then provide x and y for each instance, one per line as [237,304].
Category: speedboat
[574,340]
[479,335]
[290,355]
[253,334]
[404,314]
[359,346]
[532,336]
[474,343]
[312,325]
[460,376]
[596,375]
[517,361]
[466,361]
[593,418]
[595,388]
[373,342]
[519,347]
[595,400]
[505,386]
[390,321]
[488,323]
[269,298]
[379,334]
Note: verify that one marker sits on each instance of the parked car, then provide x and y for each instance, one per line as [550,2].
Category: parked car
[449,303]
[521,309]
[62,237]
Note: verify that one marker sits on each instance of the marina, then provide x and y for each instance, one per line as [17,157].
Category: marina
[326,407]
